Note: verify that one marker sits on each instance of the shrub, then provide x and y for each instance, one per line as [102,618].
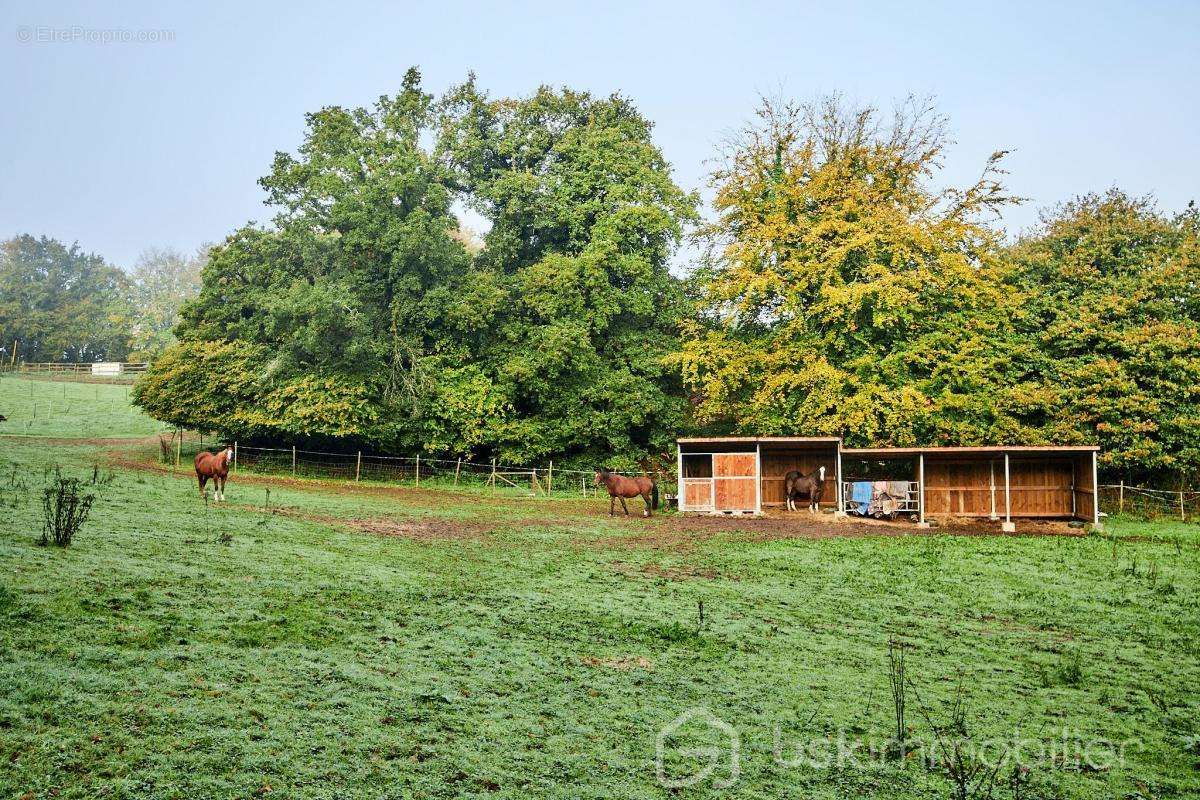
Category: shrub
[65,507]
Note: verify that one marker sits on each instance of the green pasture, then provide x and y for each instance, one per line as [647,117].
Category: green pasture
[505,647]
[68,409]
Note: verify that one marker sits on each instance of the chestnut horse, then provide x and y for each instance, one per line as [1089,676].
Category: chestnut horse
[215,466]
[797,485]
[619,487]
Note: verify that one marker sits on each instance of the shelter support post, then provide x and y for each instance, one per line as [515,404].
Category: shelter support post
[841,495]
[1096,492]
[681,498]
[758,476]
[992,487]
[1007,526]
[921,523]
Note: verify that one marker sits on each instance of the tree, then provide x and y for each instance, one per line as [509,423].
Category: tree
[1111,307]
[841,293]
[59,304]
[333,322]
[160,283]
[572,308]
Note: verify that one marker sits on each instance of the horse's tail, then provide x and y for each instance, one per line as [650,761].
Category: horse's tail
[654,494]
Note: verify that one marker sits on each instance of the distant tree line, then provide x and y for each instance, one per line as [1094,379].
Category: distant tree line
[60,304]
[839,289]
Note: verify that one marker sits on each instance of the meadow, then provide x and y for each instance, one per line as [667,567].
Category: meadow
[321,639]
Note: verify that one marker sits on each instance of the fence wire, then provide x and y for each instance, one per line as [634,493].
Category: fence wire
[415,472]
[1147,503]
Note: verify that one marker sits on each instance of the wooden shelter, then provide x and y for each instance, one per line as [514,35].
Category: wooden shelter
[745,474]
[996,483]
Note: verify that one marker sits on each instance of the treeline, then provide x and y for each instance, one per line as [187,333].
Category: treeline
[60,304]
[839,291]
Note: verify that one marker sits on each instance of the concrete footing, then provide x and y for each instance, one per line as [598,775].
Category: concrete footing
[1008,527]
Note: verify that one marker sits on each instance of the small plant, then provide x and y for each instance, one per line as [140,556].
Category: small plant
[65,508]
[1067,672]
[899,682]
[957,752]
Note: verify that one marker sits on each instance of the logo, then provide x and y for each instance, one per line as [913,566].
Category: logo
[696,743]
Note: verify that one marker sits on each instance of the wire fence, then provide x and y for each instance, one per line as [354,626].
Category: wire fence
[416,471]
[1140,501]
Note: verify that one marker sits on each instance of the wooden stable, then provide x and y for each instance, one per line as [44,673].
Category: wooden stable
[999,483]
[744,475]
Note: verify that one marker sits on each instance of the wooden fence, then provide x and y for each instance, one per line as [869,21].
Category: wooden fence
[99,372]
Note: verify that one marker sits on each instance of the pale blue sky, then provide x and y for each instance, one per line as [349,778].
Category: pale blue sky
[126,145]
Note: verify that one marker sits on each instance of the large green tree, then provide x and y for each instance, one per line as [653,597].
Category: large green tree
[58,303]
[1110,315]
[572,308]
[361,314]
[333,322]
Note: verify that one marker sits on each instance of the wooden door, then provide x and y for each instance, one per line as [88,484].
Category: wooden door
[735,481]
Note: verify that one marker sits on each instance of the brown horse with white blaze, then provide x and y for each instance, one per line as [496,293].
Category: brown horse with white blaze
[796,485]
[619,487]
[216,467]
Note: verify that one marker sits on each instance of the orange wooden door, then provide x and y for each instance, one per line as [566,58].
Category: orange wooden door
[698,494]
[735,481]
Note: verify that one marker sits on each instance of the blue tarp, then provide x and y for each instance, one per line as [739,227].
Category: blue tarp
[860,493]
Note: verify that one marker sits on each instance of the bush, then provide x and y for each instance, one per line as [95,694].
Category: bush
[65,509]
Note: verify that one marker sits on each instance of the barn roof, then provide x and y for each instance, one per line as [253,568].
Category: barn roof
[893,452]
[759,439]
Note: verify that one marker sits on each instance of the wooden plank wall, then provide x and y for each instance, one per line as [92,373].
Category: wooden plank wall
[1040,487]
[777,463]
[1084,501]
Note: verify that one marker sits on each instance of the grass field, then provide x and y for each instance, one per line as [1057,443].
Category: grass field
[339,641]
[67,409]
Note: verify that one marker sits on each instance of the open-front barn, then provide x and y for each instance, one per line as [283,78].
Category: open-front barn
[746,475]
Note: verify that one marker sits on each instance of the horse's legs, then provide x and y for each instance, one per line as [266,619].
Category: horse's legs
[646,498]
[220,482]
[203,480]
[625,507]
[612,504]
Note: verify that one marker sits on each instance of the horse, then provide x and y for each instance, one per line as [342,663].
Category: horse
[796,484]
[215,466]
[619,487]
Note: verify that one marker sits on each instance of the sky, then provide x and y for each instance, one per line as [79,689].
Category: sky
[134,125]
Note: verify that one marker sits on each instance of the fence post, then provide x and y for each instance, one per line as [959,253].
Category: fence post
[358,466]
[1182,514]
[457,467]
[293,461]
[550,478]
[1120,497]
[235,458]
[178,446]
[418,470]
[492,480]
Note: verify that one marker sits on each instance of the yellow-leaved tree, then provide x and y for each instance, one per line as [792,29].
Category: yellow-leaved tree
[841,291]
